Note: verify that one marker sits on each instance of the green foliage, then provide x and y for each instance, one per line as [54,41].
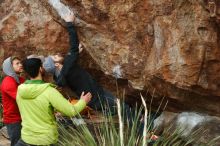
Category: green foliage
[107,133]
[100,134]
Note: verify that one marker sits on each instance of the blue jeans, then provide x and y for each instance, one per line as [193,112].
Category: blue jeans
[22,143]
[14,132]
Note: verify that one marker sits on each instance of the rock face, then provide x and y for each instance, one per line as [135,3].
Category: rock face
[27,27]
[167,47]
[206,127]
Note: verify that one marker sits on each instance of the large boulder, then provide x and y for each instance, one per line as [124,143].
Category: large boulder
[169,48]
[204,128]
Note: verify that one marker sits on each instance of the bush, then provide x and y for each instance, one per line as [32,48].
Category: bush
[111,133]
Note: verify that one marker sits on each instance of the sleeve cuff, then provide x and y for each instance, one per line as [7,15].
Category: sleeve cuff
[82,104]
[69,24]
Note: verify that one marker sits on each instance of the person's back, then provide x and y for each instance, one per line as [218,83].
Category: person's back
[37,101]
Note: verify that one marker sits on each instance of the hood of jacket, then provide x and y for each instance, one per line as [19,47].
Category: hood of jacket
[31,89]
[8,69]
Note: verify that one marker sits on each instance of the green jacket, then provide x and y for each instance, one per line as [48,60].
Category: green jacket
[37,101]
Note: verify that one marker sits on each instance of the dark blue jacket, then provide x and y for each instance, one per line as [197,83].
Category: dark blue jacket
[74,76]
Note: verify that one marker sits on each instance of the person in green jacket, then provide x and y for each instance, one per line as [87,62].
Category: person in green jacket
[37,101]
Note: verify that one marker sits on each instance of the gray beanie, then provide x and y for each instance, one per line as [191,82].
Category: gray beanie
[49,65]
[8,69]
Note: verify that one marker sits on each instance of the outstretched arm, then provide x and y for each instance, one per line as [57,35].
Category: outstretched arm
[73,38]
[72,56]
[73,53]
[65,107]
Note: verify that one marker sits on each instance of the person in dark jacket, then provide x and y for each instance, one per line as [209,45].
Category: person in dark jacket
[67,72]
[12,68]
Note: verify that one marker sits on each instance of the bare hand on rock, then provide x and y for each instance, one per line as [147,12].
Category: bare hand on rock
[70,17]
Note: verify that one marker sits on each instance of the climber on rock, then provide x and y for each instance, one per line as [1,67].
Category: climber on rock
[67,72]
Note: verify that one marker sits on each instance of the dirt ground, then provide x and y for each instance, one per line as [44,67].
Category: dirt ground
[4,141]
